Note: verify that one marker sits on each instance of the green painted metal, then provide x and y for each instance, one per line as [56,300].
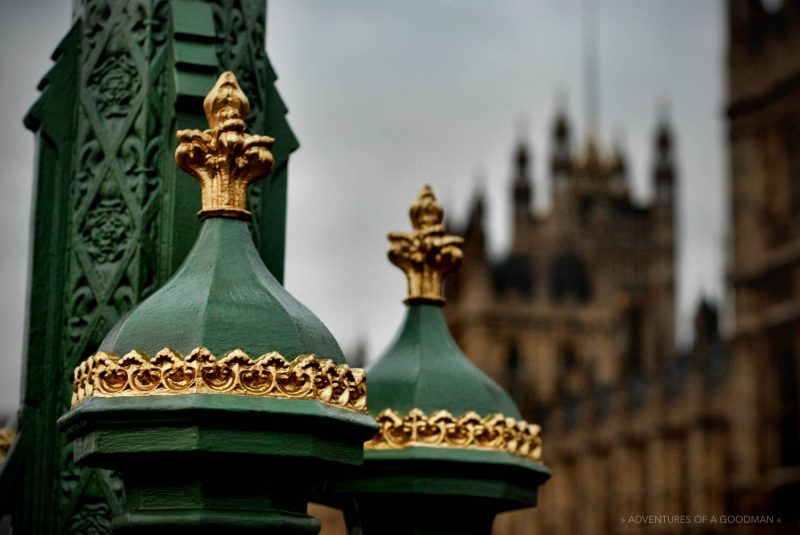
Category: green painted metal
[430,490]
[31,475]
[216,463]
[219,463]
[243,24]
[223,298]
[423,368]
[114,218]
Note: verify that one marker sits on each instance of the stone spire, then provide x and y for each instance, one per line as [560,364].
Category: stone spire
[664,165]
[474,233]
[522,187]
[561,147]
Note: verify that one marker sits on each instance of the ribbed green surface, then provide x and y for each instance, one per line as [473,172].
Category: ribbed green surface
[223,298]
[424,369]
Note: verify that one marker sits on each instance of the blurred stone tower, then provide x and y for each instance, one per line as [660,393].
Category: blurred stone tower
[577,320]
[763,112]
[585,295]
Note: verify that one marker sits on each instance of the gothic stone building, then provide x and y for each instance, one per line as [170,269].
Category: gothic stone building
[764,271]
[586,292]
[578,321]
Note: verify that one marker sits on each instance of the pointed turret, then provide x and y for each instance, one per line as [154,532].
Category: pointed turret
[664,165]
[475,233]
[561,149]
[619,174]
[522,182]
[521,196]
[469,285]
[663,214]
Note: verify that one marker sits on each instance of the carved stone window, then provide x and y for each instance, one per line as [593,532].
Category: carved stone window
[569,277]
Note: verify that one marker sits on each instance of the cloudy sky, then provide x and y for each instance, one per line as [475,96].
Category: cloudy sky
[387,96]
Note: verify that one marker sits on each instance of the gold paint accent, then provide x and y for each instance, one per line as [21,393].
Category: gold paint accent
[270,375]
[441,429]
[224,159]
[7,437]
[427,253]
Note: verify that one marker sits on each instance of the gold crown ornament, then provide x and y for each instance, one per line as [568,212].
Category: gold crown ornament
[225,159]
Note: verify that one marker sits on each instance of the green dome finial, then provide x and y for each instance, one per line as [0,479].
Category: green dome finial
[222,323]
[423,389]
[452,445]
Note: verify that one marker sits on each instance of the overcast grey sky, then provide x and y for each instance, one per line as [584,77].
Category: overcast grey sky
[387,96]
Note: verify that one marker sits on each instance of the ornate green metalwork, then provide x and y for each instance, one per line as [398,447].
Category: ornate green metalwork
[113,219]
[242,26]
[452,450]
[231,444]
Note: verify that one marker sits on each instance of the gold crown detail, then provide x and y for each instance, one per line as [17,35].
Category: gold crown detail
[428,253]
[224,159]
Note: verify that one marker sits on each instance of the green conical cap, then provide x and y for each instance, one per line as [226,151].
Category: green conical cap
[223,297]
[424,369]
[428,460]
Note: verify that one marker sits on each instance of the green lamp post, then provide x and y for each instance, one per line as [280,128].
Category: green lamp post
[452,450]
[220,417]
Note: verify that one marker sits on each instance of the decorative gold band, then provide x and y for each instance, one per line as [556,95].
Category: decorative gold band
[270,375]
[443,430]
[7,437]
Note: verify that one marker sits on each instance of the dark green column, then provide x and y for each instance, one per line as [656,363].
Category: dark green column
[112,217]
[209,463]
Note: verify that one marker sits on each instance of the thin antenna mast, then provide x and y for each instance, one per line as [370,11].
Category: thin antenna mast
[591,59]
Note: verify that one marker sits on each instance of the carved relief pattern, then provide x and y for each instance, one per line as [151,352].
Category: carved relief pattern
[270,375]
[114,200]
[92,514]
[443,430]
[241,50]
[106,230]
[114,226]
[107,123]
[94,518]
[115,81]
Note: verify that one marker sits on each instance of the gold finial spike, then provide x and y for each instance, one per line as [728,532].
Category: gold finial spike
[427,254]
[224,158]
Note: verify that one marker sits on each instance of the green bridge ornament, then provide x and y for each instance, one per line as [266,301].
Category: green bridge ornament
[113,216]
[289,424]
[452,450]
